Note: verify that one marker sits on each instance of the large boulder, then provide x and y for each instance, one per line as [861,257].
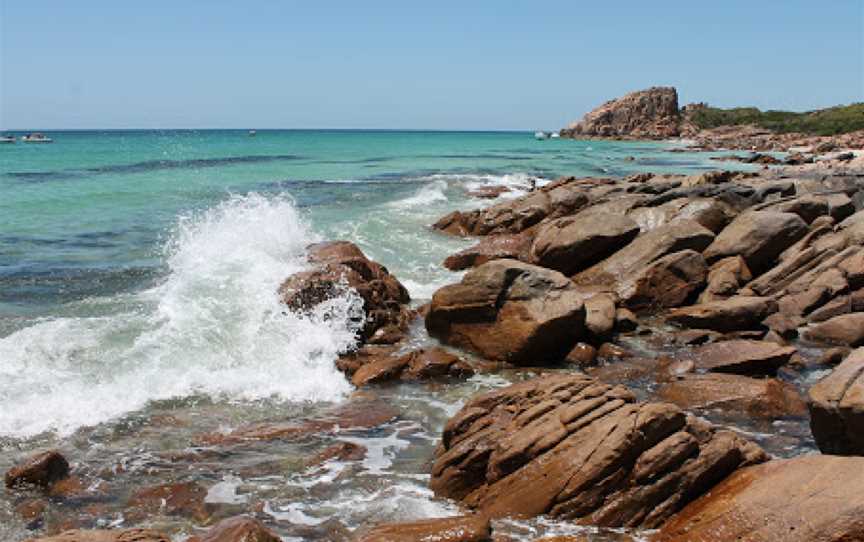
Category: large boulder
[571,244]
[649,247]
[759,237]
[667,282]
[569,446]
[733,314]
[844,330]
[645,114]
[811,498]
[510,311]
[338,264]
[837,408]
[517,215]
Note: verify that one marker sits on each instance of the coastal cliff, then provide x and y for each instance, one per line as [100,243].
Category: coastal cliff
[645,114]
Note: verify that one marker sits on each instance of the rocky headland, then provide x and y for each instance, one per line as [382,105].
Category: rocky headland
[666,329]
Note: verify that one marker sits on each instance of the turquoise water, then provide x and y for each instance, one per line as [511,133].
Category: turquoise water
[138,278]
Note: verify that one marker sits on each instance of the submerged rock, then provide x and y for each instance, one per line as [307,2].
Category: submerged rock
[569,446]
[510,311]
[456,529]
[837,408]
[184,499]
[811,498]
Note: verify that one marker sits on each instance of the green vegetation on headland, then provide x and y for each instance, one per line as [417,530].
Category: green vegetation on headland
[825,122]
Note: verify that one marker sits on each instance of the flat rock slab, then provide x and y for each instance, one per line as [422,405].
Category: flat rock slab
[763,398]
[837,408]
[106,535]
[811,498]
[742,356]
[843,330]
[569,446]
[734,314]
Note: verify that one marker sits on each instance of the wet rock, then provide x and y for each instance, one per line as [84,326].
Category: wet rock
[837,408]
[341,264]
[764,398]
[757,236]
[106,535]
[843,330]
[582,355]
[569,446]
[574,243]
[509,311]
[493,247]
[488,192]
[695,337]
[40,470]
[238,529]
[455,529]
[625,320]
[340,451]
[741,356]
[609,351]
[667,282]
[833,356]
[733,314]
[811,498]
[725,277]
[517,215]
[676,236]
[421,364]
[185,499]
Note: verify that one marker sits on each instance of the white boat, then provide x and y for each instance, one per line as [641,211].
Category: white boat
[541,135]
[36,137]
[7,139]
[252,133]
[555,135]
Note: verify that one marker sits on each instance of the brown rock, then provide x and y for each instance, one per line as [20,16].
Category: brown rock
[676,236]
[733,314]
[341,451]
[837,408]
[488,192]
[566,445]
[582,355]
[843,330]
[493,247]
[184,499]
[510,311]
[757,236]
[811,498]
[434,362]
[105,535]
[645,114]
[40,470]
[238,529]
[625,320]
[664,283]
[573,243]
[600,315]
[766,398]
[456,529]
[725,277]
[741,356]
[340,263]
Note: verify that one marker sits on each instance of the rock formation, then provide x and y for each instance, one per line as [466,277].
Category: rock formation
[645,114]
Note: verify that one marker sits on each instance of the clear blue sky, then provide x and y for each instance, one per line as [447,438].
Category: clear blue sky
[399,64]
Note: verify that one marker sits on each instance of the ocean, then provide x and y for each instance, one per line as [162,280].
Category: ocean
[138,278]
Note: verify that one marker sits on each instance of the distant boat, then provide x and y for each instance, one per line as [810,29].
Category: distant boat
[252,133]
[541,135]
[36,137]
[555,135]
[7,139]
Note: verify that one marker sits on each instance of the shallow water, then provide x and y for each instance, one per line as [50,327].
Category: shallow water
[138,310]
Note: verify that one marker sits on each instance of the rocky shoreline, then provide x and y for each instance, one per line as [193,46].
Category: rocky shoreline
[660,314]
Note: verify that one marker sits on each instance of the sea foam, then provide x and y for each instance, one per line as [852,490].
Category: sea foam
[213,327]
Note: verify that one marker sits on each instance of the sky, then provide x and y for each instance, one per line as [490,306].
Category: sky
[490,65]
